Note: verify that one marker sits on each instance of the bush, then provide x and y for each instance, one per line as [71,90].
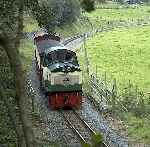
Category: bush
[50,14]
[88,5]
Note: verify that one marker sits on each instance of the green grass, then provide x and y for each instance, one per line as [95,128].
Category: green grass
[138,128]
[123,14]
[30,24]
[73,29]
[26,45]
[123,53]
[26,50]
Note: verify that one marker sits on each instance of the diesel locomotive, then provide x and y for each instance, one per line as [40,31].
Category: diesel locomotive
[58,71]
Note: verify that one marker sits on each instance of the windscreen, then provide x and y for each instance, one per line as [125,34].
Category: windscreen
[61,56]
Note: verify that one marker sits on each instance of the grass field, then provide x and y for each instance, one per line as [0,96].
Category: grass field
[123,53]
[123,14]
[138,128]
[27,50]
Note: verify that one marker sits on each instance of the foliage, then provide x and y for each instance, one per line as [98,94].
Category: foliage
[101,1]
[7,139]
[97,140]
[50,14]
[120,1]
[6,76]
[83,144]
[6,80]
[11,28]
[30,24]
[8,16]
[70,13]
[27,51]
[138,128]
[88,5]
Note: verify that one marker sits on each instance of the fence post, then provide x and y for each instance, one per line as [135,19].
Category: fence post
[32,99]
[114,93]
[129,88]
[96,71]
[136,91]
[85,56]
[90,84]
[105,81]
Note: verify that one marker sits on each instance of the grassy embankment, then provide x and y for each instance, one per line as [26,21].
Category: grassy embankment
[27,47]
[138,128]
[124,53]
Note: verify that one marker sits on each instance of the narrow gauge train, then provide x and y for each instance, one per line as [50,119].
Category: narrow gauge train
[59,72]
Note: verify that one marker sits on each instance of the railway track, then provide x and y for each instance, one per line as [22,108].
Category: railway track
[79,126]
[74,121]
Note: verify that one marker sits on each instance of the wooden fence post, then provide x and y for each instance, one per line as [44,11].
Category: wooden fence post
[90,84]
[32,99]
[114,92]
[105,82]
[85,56]
[136,91]
[96,71]
[129,88]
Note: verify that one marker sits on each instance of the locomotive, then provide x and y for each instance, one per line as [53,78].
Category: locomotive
[58,71]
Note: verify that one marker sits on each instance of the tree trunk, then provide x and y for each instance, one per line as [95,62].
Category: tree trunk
[11,45]
[21,99]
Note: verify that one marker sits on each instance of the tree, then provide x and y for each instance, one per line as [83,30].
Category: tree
[88,5]
[101,1]
[11,28]
[52,13]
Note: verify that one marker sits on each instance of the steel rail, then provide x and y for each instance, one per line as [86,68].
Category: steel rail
[84,122]
[87,125]
[72,127]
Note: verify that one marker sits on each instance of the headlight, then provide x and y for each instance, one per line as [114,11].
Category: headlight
[68,68]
